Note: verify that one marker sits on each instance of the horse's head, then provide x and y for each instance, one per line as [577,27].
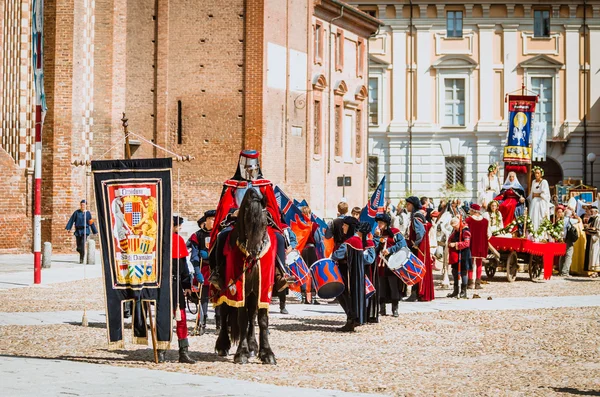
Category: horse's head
[251,225]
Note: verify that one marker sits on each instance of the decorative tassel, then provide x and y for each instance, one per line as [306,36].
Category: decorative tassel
[178,315]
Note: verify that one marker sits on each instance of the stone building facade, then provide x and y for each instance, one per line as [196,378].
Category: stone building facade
[205,79]
[438,79]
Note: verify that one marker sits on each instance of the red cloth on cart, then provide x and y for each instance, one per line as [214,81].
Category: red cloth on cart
[479,237]
[546,250]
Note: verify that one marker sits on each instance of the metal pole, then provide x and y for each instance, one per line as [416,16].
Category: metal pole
[37,211]
[592,173]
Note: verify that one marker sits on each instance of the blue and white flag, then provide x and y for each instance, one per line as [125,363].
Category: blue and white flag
[37,30]
[374,206]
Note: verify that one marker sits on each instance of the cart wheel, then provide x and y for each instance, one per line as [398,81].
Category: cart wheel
[535,267]
[512,267]
[490,268]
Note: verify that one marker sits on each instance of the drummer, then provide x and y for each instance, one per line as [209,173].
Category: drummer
[389,288]
[350,257]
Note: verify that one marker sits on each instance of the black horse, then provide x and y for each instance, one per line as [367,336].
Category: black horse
[237,324]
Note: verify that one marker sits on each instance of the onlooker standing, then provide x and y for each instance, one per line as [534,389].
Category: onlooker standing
[356,212]
[570,236]
[459,255]
[334,228]
[83,221]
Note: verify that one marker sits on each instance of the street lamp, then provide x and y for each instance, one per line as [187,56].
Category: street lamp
[591,157]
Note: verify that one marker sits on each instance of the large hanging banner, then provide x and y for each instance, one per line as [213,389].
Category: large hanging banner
[133,199]
[520,109]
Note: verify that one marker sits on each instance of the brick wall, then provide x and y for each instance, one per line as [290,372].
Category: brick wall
[61,190]
[14,220]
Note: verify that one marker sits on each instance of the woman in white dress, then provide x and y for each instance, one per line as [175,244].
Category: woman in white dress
[488,186]
[539,199]
[494,217]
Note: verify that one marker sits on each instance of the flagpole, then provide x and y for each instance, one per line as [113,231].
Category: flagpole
[37,212]
[40,107]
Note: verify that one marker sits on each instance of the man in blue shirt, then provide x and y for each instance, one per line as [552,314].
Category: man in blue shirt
[83,222]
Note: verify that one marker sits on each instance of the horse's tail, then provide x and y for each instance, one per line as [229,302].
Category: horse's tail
[235,327]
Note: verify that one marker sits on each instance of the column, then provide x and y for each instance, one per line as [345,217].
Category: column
[399,78]
[593,76]
[486,73]
[510,57]
[572,75]
[424,96]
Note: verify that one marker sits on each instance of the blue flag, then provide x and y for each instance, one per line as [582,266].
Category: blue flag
[374,206]
[287,206]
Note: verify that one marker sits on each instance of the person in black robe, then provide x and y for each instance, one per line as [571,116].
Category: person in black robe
[349,257]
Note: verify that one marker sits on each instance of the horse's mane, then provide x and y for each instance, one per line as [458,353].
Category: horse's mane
[251,223]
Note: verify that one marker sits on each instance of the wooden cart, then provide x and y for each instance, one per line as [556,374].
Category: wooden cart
[520,254]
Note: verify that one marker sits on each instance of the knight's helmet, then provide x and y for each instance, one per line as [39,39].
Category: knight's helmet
[248,165]
[248,170]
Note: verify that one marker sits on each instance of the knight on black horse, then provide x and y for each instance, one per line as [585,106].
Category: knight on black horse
[246,245]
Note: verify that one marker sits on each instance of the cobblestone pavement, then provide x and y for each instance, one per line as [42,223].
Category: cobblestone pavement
[23,377]
[531,339]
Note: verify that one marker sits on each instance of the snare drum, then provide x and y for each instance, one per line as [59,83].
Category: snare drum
[297,267]
[327,278]
[397,260]
[369,288]
[412,270]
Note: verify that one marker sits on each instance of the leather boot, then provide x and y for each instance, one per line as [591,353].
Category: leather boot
[382,311]
[162,356]
[218,322]
[463,292]
[282,308]
[478,284]
[304,300]
[183,352]
[454,294]
[395,309]
[413,295]
[348,327]
[471,284]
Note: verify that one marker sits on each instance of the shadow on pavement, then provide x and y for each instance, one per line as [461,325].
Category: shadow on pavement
[307,324]
[577,392]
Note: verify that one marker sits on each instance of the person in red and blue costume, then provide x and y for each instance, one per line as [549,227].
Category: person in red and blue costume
[198,245]
[182,285]
[247,176]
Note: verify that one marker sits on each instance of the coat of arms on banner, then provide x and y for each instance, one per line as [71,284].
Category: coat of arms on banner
[134,219]
[517,148]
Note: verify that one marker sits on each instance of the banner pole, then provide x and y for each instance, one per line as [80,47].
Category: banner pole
[152,332]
